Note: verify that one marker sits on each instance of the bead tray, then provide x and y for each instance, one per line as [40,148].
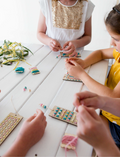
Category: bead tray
[8,125]
[64,115]
[67,55]
[68,77]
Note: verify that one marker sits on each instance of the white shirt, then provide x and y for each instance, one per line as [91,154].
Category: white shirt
[65,23]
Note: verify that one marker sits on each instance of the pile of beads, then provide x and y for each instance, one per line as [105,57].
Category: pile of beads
[25,88]
[19,70]
[57,56]
[64,115]
[34,71]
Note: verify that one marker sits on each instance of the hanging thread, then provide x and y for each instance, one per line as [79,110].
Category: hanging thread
[69,142]
[14,107]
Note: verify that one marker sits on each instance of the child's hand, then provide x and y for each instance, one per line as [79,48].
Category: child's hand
[78,60]
[74,68]
[32,130]
[55,45]
[88,99]
[70,48]
[91,128]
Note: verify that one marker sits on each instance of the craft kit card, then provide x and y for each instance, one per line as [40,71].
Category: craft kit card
[67,55]
[64,115]
[8,125]
[68,77]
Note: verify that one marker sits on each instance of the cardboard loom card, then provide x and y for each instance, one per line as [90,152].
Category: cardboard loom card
[68,77]
[69,146]
[64,115]
[8,125]
[67,55]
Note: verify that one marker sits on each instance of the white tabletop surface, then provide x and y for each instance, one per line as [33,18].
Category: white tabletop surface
[47,88]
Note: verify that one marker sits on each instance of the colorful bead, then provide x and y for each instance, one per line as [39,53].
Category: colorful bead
[64,118]
[57,115]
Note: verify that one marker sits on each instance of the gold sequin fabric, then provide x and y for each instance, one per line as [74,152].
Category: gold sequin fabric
[67,17]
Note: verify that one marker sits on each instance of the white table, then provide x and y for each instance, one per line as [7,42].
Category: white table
[47,88]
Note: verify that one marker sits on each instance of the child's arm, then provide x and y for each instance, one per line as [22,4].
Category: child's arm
[42,37]
[89,99]
[77,71]
[31,132]
[94,57]
[91,129]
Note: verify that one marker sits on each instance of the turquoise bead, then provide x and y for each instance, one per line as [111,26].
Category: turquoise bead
[64,118]
[57,115]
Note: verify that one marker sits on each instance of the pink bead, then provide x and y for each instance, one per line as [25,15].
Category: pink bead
[24,89]
[41,105]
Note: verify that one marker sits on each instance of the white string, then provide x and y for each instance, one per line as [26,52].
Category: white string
[14,107]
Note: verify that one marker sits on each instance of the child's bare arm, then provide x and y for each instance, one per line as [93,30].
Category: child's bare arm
[98,55]
[42,37]
[90,99]
[77,71]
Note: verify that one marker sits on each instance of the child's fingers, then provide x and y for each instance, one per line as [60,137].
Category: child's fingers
[76,102]
[88,114]
[65,45]
[40,115]
[73,62]
[31,118]
[85,94]
[54,48]
[74,54]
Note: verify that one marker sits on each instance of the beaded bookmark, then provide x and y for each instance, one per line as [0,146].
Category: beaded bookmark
[67,55]
[68,77]
[64,115]
[8,125]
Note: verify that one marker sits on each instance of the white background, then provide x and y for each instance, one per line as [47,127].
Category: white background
[19,20]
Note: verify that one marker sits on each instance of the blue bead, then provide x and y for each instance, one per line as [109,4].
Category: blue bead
[64,118]
[44,106]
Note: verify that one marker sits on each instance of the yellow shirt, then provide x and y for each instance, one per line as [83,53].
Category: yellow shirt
[111,82]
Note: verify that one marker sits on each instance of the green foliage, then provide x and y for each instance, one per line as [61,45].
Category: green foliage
[12,52]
